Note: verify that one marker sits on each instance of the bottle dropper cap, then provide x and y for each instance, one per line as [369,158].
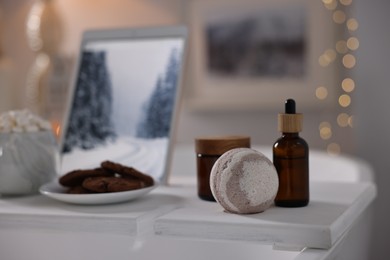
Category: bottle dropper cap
[290,121]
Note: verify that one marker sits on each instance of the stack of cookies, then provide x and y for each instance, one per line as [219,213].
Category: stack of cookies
[109,177]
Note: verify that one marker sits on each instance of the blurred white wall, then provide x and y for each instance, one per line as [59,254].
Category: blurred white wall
[372,94]
[77,16]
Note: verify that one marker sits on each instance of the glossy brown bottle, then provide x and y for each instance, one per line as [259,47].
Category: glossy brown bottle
[291,160]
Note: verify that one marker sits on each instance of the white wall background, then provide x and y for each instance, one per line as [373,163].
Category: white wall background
[369,139]
[77,16]
[373,93]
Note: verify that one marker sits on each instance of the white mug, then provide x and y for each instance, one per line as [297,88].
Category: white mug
[27,161]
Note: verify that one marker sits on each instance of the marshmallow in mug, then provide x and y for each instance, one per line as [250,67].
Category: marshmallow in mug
[17,121]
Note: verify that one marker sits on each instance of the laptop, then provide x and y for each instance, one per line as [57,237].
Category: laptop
[124,99]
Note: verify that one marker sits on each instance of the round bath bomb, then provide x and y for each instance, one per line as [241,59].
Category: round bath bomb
[244,181]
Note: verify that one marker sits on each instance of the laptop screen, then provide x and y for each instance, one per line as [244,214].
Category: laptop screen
[123,104]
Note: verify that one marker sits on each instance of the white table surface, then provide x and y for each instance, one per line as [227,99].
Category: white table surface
[175,211]
[333,209]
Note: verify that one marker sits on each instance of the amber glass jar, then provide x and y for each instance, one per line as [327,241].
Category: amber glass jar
[208,150]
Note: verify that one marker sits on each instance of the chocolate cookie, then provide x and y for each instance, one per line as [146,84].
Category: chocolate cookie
[111,184]
[76,177]
[77,190]
[127,172]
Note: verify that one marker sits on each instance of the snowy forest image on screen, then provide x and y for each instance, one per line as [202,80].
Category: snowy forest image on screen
[123,105]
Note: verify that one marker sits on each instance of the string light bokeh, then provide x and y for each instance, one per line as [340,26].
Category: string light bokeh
[342,52]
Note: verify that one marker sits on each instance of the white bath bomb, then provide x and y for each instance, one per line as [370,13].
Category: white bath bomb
[244,181]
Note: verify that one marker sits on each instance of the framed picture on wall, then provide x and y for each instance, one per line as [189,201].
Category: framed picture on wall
[254,54]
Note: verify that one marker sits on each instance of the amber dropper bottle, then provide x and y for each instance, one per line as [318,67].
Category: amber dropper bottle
[291,160]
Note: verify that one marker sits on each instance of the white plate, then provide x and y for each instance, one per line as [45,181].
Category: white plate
[56,191]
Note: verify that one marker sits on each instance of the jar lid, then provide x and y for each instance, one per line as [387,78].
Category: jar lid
[218,145]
